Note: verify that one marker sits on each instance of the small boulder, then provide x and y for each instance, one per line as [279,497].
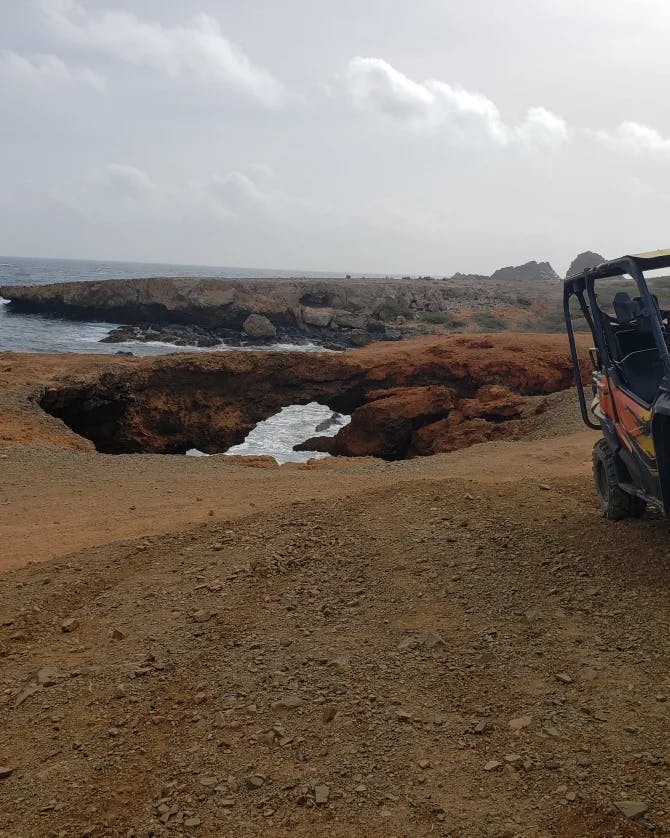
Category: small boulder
[258,327]
[631,809]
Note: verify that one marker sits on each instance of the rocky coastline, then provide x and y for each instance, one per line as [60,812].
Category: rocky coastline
[335,313]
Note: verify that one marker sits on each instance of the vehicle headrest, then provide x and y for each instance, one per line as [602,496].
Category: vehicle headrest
[625,308]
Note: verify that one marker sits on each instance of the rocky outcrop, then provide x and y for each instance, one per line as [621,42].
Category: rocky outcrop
[177,335]
[418,421]
[588,259]
[384,426]
[337,313]
[530,271]
[416,397]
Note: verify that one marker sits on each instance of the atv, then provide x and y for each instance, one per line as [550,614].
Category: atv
[631,381]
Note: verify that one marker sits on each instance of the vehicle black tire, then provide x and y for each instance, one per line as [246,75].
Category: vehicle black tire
[614,502]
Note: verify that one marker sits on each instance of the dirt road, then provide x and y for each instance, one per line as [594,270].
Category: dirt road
[56,502]
[456,645]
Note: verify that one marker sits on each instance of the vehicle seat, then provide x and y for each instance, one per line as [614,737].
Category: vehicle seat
[643,372]
[625,308]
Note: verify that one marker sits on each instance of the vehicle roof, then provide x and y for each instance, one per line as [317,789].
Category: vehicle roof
[645,261]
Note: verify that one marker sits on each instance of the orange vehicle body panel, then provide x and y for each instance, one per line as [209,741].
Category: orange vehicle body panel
[631,419]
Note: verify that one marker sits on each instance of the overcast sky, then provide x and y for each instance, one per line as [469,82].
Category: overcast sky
[420,136]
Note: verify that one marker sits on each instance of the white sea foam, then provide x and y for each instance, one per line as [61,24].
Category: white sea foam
[277,435]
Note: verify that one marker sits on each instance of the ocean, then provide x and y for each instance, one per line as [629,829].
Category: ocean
[40,333]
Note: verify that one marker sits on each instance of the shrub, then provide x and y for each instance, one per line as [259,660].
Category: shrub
[489,322]
[443,318]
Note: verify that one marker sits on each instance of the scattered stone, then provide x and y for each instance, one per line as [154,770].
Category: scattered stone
[545,487]
[47,676]
[208,781]
[191,822]
[26,692]
[70,624]
[202,615]
[328,714]
[5,771]
[321,794]
[119,691]
[631,809]
[288,702]
[563,677]
[255,781]
[492,765]
[117,634]
[433,640]
[521,722]
[424,763]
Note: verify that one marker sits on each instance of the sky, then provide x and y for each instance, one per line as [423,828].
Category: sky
[385,136]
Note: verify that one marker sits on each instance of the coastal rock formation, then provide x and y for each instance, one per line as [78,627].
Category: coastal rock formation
[529,271]
[336,313]
[588,259]
[397,394]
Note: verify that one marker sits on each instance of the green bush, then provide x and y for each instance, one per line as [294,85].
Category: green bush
[489,322]
[443,318]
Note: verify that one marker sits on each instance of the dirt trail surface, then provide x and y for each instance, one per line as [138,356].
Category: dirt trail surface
[456,645]
[53,503]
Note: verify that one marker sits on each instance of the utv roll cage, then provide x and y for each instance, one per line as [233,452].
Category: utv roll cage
[609,333]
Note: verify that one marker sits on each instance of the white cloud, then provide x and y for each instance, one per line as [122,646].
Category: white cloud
[45,70]
[542,127]
[237,194]
[198,51]
[376,86]
[123,180]
[635,138]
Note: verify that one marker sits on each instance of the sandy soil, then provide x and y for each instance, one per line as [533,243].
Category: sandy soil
[457,645]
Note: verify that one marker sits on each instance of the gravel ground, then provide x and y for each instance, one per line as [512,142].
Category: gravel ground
[438,657]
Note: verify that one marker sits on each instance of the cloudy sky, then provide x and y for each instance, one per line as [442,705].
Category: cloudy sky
[422,136]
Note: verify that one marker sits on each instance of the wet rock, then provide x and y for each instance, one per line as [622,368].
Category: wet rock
[259,327]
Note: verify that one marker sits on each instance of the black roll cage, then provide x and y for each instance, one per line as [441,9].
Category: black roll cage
[583,284]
